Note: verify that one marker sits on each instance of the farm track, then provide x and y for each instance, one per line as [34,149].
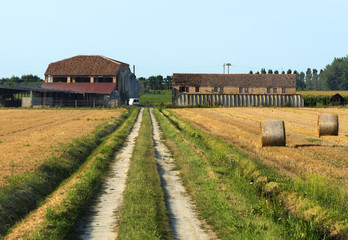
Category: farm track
[305,152]
[29,136]
[184,220]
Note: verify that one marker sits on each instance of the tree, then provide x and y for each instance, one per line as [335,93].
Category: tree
[263,71]
[168,81]
[276,72]
[251,72]
[257,72]
[315,79]
[309,82]
[335,75]
[270,71]
[289,71]
[283,72]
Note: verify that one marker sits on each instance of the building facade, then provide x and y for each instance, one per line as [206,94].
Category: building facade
[101,78]
[200,88]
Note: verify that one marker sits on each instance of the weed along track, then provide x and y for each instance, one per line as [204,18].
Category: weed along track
[101,220]
[184,220]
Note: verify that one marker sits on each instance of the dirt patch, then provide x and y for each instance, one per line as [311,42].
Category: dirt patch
[184,220]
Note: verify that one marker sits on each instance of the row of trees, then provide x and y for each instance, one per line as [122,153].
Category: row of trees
[27,79]
[156,82]
[333,77]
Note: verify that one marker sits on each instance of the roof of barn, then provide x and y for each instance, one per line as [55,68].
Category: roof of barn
[85,65]
[235,80]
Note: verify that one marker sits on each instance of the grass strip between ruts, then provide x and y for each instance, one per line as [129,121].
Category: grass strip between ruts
[60,220]
[144,214]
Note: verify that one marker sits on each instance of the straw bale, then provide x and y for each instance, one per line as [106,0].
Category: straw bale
[273,133]
[328,124]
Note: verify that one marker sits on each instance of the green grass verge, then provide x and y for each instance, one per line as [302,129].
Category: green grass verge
[60,221]
[143,214]
[253,194]
[24,192]
[164,98]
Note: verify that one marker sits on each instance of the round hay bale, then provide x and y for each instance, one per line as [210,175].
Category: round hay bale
[272,133]
[328,124]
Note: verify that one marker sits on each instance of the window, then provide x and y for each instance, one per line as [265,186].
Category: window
[182,89]
[196,89]
[240,90]
[221,89]
[216,89]
[246,90]
[283,90]
[187,89]
[268,90]
[275,90]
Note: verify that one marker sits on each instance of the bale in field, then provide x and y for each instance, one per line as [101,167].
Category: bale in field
[328,124]
[272,133]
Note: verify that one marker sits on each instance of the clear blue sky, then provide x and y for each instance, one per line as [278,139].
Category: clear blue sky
[165,37]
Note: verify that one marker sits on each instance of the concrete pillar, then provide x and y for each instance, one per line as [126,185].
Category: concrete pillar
[69,79]
[46,79]
[114,79]
[91,79]
[51,79]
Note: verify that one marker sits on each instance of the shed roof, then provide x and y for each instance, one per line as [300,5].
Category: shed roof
[98,88]
[85,65]
[235,80]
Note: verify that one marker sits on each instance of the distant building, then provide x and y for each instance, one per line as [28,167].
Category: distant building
[209,88]
[336,100]
[98,78]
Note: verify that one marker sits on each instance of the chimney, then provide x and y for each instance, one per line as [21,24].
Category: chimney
[134,69]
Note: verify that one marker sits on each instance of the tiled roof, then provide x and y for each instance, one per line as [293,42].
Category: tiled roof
[99,88]
[235,80]
[85,65]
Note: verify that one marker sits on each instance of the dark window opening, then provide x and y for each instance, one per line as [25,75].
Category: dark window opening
[221,89]
[187,89]
[240,90]
[103,79]
[196,89]
[60,79]
[268,90]
[82,79]
[274,90]
[182,89]
[216,89]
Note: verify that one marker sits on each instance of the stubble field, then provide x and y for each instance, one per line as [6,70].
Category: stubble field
[305,152]
[27,137]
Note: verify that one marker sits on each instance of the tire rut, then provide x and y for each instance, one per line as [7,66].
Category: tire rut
[184,221]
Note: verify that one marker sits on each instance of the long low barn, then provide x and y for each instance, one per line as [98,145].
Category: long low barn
[210,89]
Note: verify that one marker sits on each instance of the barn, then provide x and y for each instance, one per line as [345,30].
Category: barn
[235,89]
[100,80]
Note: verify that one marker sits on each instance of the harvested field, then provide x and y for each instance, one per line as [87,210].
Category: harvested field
[27,137]
[305,152]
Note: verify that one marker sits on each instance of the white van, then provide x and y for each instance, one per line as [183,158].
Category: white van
[133,101]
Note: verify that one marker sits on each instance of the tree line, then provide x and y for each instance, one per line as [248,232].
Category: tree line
[156,82]
[333,77]
[27,79]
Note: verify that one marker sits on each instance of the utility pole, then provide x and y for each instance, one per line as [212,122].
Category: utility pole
[228,67]
[224,68]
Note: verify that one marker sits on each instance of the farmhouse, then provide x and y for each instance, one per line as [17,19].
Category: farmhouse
[234,89]
[99,79]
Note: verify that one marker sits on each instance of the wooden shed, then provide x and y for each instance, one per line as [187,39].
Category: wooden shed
[337,99]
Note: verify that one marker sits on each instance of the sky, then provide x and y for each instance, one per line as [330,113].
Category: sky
[162,37]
